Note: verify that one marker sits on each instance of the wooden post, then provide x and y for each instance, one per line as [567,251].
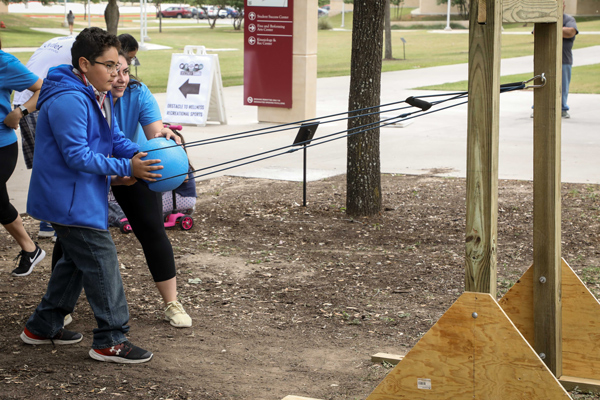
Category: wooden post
[482,147]
[546,195]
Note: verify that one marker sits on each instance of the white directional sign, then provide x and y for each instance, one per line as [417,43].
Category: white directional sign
[189,89]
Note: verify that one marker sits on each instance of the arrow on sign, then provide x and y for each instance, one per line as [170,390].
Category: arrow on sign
[189,88]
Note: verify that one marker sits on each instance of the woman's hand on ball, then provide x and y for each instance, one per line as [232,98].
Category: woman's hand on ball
[142,168]
[168,134]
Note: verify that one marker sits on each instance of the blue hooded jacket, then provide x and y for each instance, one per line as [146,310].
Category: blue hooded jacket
[72,161]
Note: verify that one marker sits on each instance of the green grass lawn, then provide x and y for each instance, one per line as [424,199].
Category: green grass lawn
[423,48]
[584,79]
[18,34]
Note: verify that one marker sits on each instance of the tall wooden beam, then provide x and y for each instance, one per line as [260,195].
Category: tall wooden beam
[546,195]
[482,147]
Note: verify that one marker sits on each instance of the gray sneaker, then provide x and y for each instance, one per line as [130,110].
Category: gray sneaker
[565,114]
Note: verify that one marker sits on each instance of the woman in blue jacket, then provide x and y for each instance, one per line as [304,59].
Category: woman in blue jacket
[14,76]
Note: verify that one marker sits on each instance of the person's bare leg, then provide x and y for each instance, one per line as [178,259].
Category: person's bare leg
[168,289]
[174,313]
[17,230]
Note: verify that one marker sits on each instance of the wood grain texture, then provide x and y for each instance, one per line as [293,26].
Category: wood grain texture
[547,59]
[471,358]
[482,150]
[531,10]
[580,321]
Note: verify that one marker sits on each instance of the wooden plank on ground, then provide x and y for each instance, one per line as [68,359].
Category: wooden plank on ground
[581,384]
[580,322]
[388,358]
[291,397]
[531,10]
[471,356]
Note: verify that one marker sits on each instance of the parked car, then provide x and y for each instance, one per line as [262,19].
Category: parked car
[211,11]
[222,13]
[232,12]
[198,13]
[323,12]
[175,12]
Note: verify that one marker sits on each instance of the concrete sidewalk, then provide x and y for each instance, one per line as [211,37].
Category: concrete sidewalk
[432,144]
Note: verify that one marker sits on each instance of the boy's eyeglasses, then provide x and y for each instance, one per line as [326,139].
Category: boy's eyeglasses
[110,67]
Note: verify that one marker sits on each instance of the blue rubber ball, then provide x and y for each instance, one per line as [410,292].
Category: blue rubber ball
[172,157]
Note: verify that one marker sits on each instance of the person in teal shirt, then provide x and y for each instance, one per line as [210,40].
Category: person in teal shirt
[138,116]
[15,76]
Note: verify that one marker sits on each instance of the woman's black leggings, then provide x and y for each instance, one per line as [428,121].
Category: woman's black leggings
[8,162]
[143,209]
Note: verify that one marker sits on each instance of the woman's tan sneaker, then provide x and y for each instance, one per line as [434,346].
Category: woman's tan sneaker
[176,315]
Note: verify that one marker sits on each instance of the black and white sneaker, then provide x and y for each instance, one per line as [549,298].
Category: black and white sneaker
[28,261]
[124,353]
[62,337]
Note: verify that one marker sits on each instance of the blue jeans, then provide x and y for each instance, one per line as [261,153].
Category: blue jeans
[89,261]
[566,80]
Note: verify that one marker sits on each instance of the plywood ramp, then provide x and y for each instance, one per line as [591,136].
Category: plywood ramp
[580,321]
[471,356]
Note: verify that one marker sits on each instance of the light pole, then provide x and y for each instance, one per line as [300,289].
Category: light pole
[143,24]
[65,23]
[343,13]
[447,28]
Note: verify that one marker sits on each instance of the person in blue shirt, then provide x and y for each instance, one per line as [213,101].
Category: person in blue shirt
[139,117]
[14,76]
[82,148]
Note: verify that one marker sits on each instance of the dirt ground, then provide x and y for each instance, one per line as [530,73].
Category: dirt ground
[286,299]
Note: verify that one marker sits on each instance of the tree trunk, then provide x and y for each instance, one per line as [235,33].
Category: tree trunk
[363,163]
[237,23]
[159,8]
[388,32]
[111,17]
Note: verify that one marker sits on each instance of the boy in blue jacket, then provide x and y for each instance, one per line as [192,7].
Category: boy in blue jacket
[81,148]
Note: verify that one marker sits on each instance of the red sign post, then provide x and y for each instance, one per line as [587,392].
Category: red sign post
[268,51]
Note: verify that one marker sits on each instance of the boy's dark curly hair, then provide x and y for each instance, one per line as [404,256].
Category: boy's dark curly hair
[91,43]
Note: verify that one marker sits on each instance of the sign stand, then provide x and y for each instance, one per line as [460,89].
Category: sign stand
[195,88]
[216,107]
[303,138]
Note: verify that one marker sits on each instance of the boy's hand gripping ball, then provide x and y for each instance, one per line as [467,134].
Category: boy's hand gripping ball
[172,157]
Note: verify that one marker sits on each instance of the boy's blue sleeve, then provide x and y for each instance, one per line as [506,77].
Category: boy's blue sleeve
[72,139]
[122,147]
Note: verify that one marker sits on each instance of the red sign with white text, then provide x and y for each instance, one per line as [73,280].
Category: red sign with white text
[268,51]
